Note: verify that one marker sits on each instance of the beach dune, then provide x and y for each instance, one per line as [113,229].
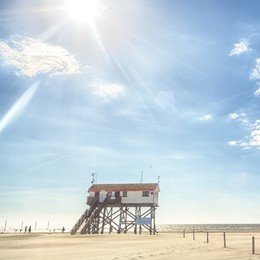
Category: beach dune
[163,246]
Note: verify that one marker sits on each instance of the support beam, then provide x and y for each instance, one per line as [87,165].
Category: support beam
[120,219]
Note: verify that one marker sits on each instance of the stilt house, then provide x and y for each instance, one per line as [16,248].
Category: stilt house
[119,208]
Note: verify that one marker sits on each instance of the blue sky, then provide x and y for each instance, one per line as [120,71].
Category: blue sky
[170,88]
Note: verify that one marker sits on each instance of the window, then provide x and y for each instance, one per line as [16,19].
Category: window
[124,193]
[145,193]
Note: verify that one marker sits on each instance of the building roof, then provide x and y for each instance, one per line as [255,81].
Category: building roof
[124,187]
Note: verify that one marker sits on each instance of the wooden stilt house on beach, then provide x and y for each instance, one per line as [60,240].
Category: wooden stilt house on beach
[119,208]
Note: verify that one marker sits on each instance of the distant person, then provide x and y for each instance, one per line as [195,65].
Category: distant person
[30,229]
[63,229]
[25,229]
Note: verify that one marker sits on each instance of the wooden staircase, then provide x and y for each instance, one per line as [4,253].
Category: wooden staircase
[87,223]
[79,223]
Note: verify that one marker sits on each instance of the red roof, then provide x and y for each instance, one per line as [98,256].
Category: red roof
[124,187]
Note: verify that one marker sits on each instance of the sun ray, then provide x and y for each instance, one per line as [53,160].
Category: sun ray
[19,106]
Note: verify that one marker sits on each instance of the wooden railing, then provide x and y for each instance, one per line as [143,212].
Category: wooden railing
[90,214]
[93,215]
[84,217]
[79,222]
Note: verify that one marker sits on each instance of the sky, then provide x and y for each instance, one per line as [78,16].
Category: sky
[126,89]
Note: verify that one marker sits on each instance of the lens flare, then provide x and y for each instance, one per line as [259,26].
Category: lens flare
[19,106]
[82,10]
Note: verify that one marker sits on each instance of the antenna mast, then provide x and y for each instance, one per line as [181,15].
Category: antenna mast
[94,177]
[142,174]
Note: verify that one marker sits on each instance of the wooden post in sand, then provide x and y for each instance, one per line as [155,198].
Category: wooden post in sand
[224,236]
[184,232]
[207,237]
[193,231]
[21,227]
[5,225]
[253,245]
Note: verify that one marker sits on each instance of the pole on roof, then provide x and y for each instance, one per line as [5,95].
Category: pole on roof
[94,177]
[142,175]
[158,179]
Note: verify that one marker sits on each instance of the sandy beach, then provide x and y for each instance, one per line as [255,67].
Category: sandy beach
[163,246]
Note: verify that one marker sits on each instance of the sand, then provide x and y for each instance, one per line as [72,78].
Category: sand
[163,246]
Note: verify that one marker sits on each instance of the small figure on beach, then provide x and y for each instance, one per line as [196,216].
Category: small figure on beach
[63,229]
[30,229]
[25,229]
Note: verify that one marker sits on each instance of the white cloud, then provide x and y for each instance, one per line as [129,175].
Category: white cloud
[255,135]
[257,92]
[240,47]
[233,143]
[253,139]
[205,117]
[255,74]
[233,115]
[31,57]
[242,117]
[109,90]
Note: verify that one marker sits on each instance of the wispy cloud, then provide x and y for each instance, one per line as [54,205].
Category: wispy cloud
[32,169]
[240,47]
[165,99]
[253,139]
[242,118]
[255,74]
[183,156]
[31,57]
[205,117]
[257,92]
[233,115]
[18,107]
[233,143]
[108,91]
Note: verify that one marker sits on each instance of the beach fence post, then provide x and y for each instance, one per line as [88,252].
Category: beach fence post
[224,236]
[193,231]
[184,232]
[21,227]
[207,237]
[253,245]
[5,225]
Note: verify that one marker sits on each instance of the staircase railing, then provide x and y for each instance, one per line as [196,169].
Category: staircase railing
[84,217]
[93,215]
[79,223]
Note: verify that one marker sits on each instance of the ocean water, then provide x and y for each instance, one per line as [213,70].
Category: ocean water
[208,227]
[170,228]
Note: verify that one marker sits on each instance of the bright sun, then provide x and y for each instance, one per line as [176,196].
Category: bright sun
[82,10]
